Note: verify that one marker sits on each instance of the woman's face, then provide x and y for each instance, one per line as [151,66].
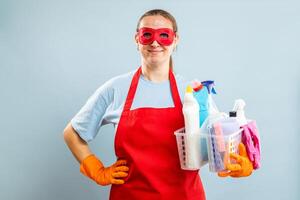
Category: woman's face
[155,53]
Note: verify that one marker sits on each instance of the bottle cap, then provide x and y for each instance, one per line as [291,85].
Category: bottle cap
[197,88]
[189,89]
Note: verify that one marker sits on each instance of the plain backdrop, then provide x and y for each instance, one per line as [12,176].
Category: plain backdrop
[55,54]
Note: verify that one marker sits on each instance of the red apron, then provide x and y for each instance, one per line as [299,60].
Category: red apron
[145,138]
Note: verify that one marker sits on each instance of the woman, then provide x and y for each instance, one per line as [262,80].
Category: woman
[145,107]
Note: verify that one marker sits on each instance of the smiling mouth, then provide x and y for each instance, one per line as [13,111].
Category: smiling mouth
[155,51]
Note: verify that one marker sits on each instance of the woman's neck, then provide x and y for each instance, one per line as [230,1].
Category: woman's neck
[155,73]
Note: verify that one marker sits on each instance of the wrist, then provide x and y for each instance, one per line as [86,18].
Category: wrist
[90,165]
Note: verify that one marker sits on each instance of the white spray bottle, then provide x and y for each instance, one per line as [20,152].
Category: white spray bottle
[238,107]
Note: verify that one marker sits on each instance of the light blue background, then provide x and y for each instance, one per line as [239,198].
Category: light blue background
[54,55]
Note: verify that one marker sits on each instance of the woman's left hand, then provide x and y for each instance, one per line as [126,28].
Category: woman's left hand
[243,166]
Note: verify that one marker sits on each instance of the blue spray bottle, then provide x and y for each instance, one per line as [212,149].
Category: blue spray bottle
[201,93]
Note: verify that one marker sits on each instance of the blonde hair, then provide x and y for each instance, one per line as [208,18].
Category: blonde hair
[166,15]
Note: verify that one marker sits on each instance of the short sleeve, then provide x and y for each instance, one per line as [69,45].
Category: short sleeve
[88,120]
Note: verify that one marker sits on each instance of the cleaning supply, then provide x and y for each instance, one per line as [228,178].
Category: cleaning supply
[238,107]
[93,168]
[251,139]
[196,85]
[232,114]
[243,166]
[219,134]
[225,135]
[229,125]
[209,84]
[201,95]
[195,159]
[218,146]
[250,135]
[211,106]
[190,111]
[207,128]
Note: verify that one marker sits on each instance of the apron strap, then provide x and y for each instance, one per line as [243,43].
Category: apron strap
[132,89]
[134,84]
[174,91]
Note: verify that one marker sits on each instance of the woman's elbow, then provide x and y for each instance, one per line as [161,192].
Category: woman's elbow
[67,133]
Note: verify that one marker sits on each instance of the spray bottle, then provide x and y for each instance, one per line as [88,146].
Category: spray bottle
[238,107]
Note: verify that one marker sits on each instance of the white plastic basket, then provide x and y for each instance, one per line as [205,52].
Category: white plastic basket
[197,149]
[219,149]
[189,149]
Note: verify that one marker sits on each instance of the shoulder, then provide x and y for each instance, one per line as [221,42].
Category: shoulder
[117,81]
[120,80]
[113,88]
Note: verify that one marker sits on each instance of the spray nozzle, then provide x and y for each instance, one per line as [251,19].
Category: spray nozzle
[239,104]
[238,107]
[209,84]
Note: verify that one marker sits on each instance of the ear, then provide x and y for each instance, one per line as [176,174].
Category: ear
[136,38]
[176,39]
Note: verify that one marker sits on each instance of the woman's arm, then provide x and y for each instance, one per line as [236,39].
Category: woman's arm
[90,165]
[78,146]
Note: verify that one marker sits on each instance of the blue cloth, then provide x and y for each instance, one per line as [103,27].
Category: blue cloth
[106,104]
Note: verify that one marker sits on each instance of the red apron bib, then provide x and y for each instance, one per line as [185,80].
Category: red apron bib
[145,138]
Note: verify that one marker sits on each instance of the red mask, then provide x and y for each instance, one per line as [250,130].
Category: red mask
[164,36]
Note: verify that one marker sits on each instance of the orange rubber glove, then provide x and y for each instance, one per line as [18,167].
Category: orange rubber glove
[244,166]
[93,168]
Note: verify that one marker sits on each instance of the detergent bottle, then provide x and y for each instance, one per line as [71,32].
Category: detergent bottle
[190,111]
[191,115]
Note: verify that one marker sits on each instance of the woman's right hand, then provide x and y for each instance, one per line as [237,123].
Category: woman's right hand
[93,168]
[243,166]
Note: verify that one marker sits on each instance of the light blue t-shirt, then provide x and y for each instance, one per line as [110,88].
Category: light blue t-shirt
[106,104]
